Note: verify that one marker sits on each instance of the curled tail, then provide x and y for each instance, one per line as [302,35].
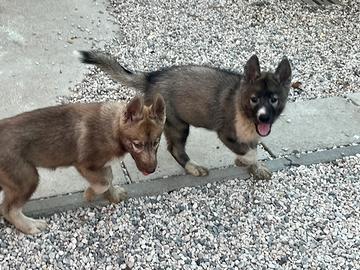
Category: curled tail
[109,65]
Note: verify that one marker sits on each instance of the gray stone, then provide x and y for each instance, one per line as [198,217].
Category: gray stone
[47,206]
[315,124]
[323,156]
[202,146]
[355,98]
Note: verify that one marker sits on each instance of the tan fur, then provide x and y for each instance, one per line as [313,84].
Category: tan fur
[86,136]
[245,129]
[194,169]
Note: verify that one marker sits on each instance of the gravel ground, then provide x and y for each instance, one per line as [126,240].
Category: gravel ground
[304,218]
[322,42]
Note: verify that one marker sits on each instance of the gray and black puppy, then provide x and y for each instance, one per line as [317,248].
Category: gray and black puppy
[241,108]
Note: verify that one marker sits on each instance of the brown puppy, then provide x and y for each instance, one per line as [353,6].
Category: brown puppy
[86,136]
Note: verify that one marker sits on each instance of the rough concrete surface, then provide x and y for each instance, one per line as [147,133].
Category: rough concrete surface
[315,124]
[37,39]
[47,206]
[355,98]
[323,156]
[143,188]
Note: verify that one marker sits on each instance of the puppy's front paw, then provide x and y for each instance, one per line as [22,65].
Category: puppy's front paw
[40,224]
[260,171]
[116,194]
[195,170]
[239,163]
[89,194]
[31,226]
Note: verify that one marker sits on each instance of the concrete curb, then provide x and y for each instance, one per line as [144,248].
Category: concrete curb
[48,206]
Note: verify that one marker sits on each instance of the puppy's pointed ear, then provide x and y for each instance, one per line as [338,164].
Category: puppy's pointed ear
[134,109]
[283,72]
[158,107]
[252,69]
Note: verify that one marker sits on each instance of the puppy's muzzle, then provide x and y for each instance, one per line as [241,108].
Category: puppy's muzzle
[264,121]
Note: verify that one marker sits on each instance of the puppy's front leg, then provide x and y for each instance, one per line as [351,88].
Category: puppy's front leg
[114,194]
[246,157]
[256,168]
[101,183]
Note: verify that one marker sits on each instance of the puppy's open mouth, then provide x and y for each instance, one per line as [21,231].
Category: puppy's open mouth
[263,129]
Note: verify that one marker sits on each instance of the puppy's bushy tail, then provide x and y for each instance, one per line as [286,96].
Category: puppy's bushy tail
[109,65]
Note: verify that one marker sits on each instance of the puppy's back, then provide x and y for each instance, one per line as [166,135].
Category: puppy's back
[41,133]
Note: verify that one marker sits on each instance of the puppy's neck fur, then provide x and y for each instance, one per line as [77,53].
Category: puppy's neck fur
[114,113]
[245,128]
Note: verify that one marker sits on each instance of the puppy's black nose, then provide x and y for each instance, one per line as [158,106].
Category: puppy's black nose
[151,170]
[264,118]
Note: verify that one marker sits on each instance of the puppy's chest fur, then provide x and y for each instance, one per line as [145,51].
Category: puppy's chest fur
[115,161]
[245,129]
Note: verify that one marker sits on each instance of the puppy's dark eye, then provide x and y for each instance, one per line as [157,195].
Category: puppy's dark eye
[273,100]
[138,146]
[254,100]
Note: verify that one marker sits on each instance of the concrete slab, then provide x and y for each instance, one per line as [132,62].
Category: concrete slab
[315,124]
[203,147]
[355,98]
[323,156]
[37,39]
[45,207]
[48,206]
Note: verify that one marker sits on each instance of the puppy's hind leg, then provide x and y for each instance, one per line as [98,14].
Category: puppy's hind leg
[101,183]
[19,185]
[176,135]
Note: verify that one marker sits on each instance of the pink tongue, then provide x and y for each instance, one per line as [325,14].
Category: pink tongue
[264,129]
